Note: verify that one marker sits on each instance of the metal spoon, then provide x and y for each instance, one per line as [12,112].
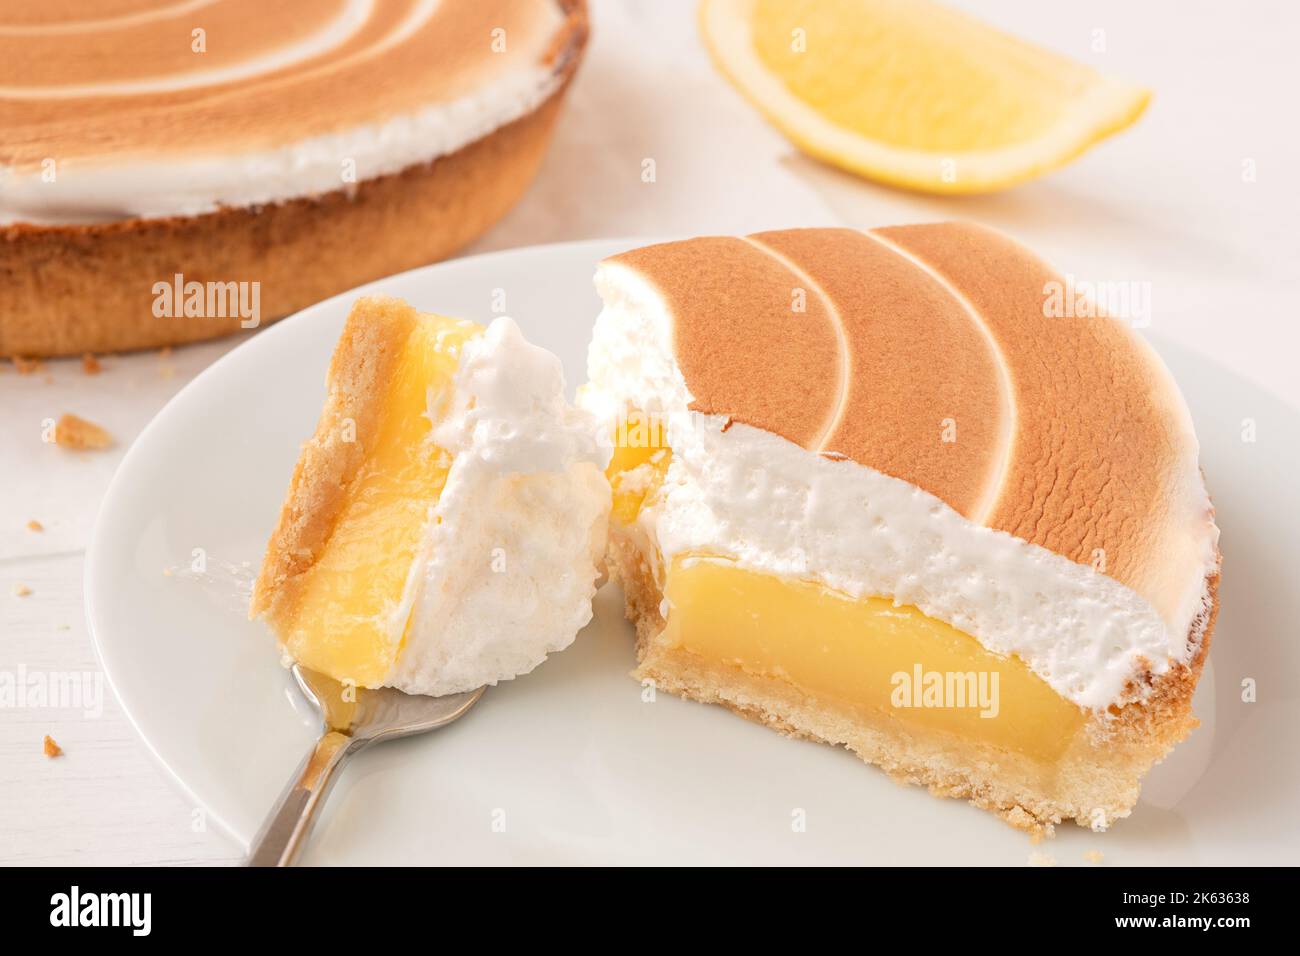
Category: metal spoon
[354,718]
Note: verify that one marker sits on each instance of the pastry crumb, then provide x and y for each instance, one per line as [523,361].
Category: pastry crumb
[90,364]
[73,432]
[51,748]
[1093,856]
[34,525]
[26,366]
[1041,859]
[21,590]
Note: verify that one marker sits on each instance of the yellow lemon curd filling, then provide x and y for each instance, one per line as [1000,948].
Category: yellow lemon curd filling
[343,618]
[865,655]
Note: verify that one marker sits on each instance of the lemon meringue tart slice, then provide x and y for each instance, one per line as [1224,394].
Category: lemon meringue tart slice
[444,525]
[869,489]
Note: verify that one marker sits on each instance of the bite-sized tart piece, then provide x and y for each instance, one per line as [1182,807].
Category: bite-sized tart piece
[445,525]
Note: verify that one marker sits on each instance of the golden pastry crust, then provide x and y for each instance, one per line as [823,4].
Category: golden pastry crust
[368,350]
[65,290]
[72,431]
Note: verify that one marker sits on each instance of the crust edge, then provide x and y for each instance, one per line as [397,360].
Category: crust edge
[364,358]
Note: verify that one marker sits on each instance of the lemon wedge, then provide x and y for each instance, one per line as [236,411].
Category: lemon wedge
[912,93]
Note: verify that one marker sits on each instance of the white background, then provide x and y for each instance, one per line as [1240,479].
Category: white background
[1165,203]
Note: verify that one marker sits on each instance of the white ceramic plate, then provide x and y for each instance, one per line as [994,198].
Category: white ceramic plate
[570,764]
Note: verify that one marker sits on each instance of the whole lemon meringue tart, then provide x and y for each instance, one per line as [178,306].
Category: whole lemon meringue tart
[176,172]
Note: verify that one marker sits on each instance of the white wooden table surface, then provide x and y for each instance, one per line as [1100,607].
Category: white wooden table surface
[1166,203]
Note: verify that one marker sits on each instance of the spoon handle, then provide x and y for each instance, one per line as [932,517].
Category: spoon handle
[285,831]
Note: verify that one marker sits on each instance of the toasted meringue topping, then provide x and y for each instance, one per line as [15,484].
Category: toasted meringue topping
[179,109]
